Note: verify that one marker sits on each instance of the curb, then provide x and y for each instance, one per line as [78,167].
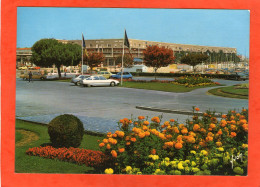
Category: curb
[183,112]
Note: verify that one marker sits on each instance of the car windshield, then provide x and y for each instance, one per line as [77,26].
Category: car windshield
[89,78]
[96,78]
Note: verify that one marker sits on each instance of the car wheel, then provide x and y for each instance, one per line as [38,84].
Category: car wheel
[42,78]
[112,84]
[78,83]
[88,85]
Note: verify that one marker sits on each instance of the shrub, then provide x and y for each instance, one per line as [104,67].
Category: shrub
[66,131]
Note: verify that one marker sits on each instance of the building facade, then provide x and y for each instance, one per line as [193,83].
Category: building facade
[112,48]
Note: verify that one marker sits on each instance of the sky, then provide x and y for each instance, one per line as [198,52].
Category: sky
[222,28]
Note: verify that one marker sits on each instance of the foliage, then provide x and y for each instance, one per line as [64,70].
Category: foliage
[66,131]
[157,57]
[93,59]
[191,81]
[204,146]
[76,155]
[128,61]
[48,52]
[193,59]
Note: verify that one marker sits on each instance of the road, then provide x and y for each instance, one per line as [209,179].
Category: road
[100,108]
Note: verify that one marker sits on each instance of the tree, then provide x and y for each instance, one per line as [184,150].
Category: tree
[157,57]
[194,59]
[48,52]
[128,60]
[93,59]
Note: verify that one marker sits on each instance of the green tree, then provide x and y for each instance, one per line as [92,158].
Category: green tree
[128,61]
[48,52]
[157,57]
[194,59]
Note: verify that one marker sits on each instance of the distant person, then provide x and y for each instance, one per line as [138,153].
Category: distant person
[65,71]
[30,76]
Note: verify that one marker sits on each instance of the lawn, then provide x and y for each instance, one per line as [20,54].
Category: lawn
[230,91]
[167,87]
[34,164]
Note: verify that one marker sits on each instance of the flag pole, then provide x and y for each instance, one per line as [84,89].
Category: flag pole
[123,60]
[82,55]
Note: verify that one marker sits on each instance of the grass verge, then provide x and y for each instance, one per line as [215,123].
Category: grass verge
[167,87]
[34,164]
[231,92]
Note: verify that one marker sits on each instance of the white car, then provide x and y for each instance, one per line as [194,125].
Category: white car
[98,81]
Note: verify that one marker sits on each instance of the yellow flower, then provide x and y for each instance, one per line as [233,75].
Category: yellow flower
[221,149]
[109,171]
[128,169]
[193,163]
[244,146]
[193,152]
[204,152]
[167,159]
[180,166]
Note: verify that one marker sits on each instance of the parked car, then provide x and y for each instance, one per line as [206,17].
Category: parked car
[126,75]
[241,76]
[98,81]
[105,74]
[35,75]
[22,68]
[76,80]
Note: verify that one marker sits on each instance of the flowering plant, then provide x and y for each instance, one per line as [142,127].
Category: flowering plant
[193,80]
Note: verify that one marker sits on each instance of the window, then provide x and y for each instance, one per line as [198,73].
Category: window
[90,45]
[96,78]
[102,78]
[89,78]
[108,45]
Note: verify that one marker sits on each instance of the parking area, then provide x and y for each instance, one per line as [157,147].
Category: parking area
[100,108]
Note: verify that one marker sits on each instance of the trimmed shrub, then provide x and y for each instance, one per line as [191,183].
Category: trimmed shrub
[66,131]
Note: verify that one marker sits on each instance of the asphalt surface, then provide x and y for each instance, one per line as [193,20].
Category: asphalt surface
[100,108]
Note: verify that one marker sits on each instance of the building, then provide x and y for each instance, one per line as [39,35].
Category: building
[112,48]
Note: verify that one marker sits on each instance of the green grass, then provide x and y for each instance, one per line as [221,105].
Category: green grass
[230,91]
[34,164]
[18,136]
[167,87]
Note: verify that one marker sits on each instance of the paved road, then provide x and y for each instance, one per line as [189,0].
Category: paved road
[101,107]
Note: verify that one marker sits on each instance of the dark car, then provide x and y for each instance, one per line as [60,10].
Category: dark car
[126,75]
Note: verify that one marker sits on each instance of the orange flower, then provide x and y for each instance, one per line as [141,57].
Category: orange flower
[209,138]
[181,126]
[136,123]
[179,137]
[197,109]
[162,136]
[233,127]
[219,132]
[147,133]
[232,117]
[196,127]
[156,119]
[141,117]
[128,143]
[114,153]
[242,121]
[121,150]
[212,125]
[223,123]
[168,144]
[190,139]
[133,139]
[141,135]
[184,131]
[145,128]
[101,145]
[172,120]
[127,138]
[108,146]
[224,116]
[120,134]
[219,144]
[202,144]
[245,127]
[233,134]
[114,135]
[203,130]
[209,129]
[146,123]
[153,151]
[178,145]
[176,130]
[168,136]
[105,140]
[114,142]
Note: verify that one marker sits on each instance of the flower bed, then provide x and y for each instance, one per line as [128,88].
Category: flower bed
[204,146]
[191,81]
[80,156]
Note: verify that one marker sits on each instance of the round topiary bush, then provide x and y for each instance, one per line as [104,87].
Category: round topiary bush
[66,131]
